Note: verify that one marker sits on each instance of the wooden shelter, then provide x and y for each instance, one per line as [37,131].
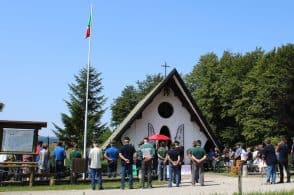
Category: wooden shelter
[19,138]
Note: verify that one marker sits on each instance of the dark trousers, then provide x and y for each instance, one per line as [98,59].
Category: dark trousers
[147,170]
[111,169]
[282,166]
[197,174]
[59,165]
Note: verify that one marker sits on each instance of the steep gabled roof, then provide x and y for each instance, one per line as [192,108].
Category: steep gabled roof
[175,82]
[22,124]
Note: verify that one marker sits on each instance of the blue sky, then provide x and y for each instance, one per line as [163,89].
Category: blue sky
[42,44]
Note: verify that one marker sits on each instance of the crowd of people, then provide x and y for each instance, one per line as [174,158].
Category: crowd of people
[147,155]
[266,158]
[165,159]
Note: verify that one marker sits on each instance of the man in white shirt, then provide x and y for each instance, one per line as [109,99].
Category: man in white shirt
[96,157]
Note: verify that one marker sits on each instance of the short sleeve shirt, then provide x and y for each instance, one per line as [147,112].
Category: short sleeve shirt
[112,153]
[96,157]
[162,152]
[198,152]
[173,154]
[128,152]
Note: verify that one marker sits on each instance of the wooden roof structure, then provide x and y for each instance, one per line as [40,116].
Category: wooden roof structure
[22,124]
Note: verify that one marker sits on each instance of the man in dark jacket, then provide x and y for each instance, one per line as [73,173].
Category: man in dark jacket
[283,160]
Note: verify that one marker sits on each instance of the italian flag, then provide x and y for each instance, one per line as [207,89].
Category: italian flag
[88,31]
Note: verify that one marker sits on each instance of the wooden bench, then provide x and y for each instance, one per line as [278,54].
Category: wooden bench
[40,177]
[31,165]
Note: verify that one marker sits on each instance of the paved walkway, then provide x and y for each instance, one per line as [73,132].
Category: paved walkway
[214,184]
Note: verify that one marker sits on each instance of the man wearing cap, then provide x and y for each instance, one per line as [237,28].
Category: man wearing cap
[111,154]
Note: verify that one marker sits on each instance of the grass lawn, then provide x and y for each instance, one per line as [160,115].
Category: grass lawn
[106,185]
[269,193]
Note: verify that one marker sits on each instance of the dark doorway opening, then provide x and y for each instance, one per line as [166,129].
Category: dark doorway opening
[165,131]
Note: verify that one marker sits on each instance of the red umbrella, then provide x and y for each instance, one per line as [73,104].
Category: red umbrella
[158,136]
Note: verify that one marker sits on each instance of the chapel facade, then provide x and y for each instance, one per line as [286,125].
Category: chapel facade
[168,109]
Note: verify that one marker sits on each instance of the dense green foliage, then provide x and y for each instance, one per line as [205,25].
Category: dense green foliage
[73,131]
[130,96]
[246,97]
[108,184]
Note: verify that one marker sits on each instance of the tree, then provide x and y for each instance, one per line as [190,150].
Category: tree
[216,83]
[202,83]
[130,97]
[1,106]
[73,131]
[246,97]
[123,104]
[145,86]
[236,73]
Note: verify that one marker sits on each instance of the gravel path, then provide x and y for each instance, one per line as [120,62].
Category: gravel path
[214,184]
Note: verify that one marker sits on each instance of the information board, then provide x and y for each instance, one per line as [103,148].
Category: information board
[17,140]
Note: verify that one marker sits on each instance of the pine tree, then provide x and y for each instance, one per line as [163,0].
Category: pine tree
[73,131]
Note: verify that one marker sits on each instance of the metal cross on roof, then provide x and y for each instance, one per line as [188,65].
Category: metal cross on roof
[165,67]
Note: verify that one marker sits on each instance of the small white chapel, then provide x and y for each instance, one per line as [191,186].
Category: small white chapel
[168,109]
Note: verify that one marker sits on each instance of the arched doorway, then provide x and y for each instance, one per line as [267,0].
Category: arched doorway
[165,131]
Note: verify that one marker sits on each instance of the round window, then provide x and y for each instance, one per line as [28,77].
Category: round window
[165,109]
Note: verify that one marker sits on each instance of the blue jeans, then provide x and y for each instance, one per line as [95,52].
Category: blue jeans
[271,173]
[161,170]
[96,175]
[126,168]
[171,171]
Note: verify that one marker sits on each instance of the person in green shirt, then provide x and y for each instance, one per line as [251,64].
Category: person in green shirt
[147,151]
[198,156]
[191,160]
[161,153]
[75,153]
